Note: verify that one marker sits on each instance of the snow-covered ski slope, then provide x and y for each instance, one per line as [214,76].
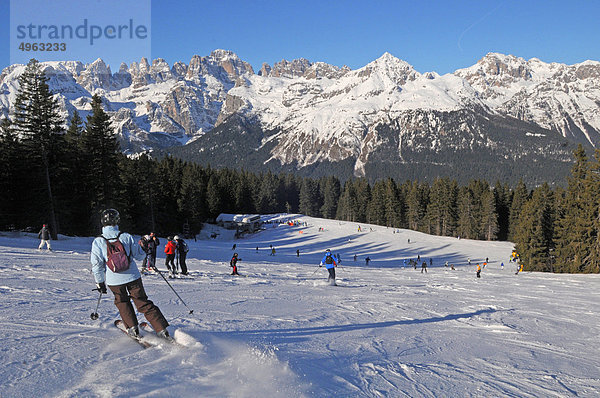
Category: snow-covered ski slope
[280,331]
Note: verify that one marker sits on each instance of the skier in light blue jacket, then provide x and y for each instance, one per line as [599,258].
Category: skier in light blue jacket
[330,263]
[126,285]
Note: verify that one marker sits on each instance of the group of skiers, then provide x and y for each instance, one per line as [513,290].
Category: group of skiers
[176,251]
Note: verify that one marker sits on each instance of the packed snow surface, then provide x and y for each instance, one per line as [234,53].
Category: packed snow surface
[280,331]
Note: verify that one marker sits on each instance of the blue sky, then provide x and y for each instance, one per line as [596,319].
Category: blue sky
[431,35]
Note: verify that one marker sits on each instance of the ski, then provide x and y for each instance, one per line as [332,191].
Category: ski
[140,340]
[147,328]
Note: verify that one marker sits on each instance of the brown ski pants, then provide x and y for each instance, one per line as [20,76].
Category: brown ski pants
[135,291]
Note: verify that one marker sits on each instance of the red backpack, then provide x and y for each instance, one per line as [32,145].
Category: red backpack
[118,260]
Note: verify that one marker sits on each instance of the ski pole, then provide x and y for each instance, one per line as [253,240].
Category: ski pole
[94,315]
[178,296]
[315,271]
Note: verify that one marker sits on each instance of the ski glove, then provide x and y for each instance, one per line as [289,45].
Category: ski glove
[101,287]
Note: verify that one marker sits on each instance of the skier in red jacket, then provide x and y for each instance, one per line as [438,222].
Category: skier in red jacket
[170,252]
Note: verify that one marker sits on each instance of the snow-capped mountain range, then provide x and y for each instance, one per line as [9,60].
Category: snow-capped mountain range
[301,114]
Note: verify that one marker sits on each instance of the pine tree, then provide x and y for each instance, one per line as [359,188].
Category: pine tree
[377,206]
[417,198]
[535,230]
[393,204]
[266,201]
[519,197]
[330,192]
[591,198]
[36,118]
[101,148]
[502,198]
[345,204]
[309,198]
[489,217]
[574,224]
[467,215]
[10,168]
[441,209]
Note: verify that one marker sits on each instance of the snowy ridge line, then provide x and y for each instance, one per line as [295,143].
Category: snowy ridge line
[155,105]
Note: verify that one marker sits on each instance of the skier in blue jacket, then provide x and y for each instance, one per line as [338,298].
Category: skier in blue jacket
[330,263]
[126,285]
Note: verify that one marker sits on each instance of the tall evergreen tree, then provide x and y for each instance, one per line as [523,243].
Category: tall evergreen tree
[102,152]
[502,198]
[591,263]
[467,214]
[266,201]
[10,170]
[376,210]
[519,197]
[393,204]
[36,118]
[575,223]
[330,192]
[417,198]
[534,233]
[489,217]
[309,198]
[441,213]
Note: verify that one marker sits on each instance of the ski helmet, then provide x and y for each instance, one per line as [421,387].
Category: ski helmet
[176,237]
[328,252]
[110,217]
[235,254]
[170,238]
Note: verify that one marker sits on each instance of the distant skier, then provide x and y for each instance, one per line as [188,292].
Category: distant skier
[297,252]
[233,263]
[520,269]
[355,257]
[143,242]
[182,250]
[431,262]
[44,236]
[367,260]
[502,265]
[234,246]
[330,265]
[424,267]
[478,271]
[152,245]
[272,251]
[170,258]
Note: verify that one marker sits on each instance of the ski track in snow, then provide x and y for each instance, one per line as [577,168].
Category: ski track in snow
[280,331]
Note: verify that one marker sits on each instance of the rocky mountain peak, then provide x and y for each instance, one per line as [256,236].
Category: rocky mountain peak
[389,68]
[290,70]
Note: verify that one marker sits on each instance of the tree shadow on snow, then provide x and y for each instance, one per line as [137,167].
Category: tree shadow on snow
[299,332]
